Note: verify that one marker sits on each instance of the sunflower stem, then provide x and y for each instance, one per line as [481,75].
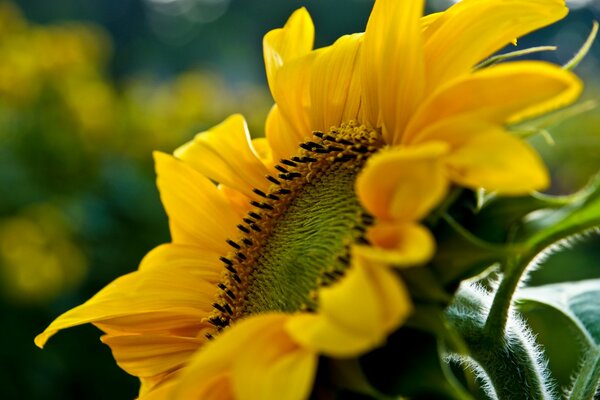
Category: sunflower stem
[508,365]
[495,324]
[461,230]
[441,211]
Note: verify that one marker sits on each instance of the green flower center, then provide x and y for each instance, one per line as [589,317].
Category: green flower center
[298,238]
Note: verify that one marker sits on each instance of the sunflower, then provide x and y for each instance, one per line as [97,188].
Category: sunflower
[294,253]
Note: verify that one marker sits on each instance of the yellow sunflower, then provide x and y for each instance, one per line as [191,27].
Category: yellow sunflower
[292,255]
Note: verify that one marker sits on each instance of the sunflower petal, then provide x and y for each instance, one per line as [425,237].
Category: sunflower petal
[503,93]
[225,154]
[152,355]
[203,264]
[158,388]
[282,45]
[282,138]
[498,161]
[335,86]
[429,19]
[239,202]
[398,244]
[291,92]
[146,300]
[346,324]
[392,65]
[288,60]
[198,213]
[274,368]
[414,183]
[472,30]
[253,359]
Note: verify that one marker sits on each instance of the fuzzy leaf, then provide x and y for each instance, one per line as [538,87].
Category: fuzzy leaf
[580,303]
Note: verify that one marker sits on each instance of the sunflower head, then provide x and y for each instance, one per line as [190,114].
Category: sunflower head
[299,250]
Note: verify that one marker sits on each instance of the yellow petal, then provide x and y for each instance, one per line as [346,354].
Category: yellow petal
[217,387]
[239,202]
[291,92]
[152,355]
[225,154]
[392,64]
[160,390]
[335,85]
[356,314]
[398,244]
[273,367]
[500,94]
[146,300]
[203,264]
[198,213]
[472,30]
[403,183]
[498,161]
[255,358]
[429,19]
[263,151]
[288,60]
[454,131]
[282,45]
[282,138]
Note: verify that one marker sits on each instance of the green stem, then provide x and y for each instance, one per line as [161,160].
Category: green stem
[509,362]
[518,262]
[495,324]
[440,212]
[586,384]
[458,228]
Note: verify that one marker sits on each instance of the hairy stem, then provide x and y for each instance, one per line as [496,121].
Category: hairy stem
[509,365]
[495,324]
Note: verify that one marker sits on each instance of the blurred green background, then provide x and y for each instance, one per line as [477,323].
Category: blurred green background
[89,88]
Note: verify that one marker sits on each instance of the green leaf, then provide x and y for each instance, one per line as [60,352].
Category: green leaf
[580,303]
[580,213]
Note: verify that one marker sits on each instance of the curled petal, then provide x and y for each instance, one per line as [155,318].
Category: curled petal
[356,314]
[256,358]
[282,45]
[403,184]
[398,244]
[501,94]
[471,30]
[225,154]
[498,161]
